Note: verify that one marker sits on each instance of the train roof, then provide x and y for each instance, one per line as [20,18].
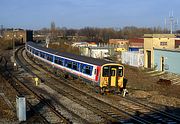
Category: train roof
[71,56]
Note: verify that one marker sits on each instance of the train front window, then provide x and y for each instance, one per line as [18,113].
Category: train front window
[105,71]
[120,71]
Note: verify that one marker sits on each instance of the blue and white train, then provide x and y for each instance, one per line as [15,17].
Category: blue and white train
[102,74]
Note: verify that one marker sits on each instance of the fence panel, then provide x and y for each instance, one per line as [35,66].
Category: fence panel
[133,58]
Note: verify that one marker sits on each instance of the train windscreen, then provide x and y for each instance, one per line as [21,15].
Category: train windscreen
[108,72]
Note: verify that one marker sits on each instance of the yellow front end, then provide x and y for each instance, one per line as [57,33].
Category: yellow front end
[112,76]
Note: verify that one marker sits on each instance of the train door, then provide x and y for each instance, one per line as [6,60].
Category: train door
[113,78]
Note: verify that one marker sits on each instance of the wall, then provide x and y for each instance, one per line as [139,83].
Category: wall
[95,52]
[170,43]
[133,58]
[99,53]
[171,60]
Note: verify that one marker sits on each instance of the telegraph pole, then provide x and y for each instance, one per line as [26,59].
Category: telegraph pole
[173,23]
[14,62]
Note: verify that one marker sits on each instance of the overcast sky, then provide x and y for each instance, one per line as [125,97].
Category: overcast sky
[36,14]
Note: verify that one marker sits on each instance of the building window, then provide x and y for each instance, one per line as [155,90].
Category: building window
[163,43]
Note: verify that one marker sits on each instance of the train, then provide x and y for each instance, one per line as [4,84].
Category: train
[102,74]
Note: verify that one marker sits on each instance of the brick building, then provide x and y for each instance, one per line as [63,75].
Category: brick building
[18,35]
[136,42]
[118,41]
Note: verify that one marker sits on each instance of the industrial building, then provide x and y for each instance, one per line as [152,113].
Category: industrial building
[118,41]
[159,41]
[161,52]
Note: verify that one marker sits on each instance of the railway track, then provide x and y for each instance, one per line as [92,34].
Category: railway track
[51,101]
[105,110]
[161,115]
[37,104]
[122,113]
[7,77]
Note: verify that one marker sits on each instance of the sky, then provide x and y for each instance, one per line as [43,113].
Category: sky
[37,14]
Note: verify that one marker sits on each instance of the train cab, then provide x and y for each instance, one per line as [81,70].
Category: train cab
[112,77]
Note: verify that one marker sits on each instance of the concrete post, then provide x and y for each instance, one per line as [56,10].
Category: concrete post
[21,107]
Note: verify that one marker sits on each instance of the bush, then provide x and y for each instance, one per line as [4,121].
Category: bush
[5,44]
[65,48]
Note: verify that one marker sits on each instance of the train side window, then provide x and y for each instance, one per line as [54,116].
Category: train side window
[69,64]
[49,57]
[87,70]
[41,55]
[58,61]
[74,66]
[105,71]
[81,68]
[37,52]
